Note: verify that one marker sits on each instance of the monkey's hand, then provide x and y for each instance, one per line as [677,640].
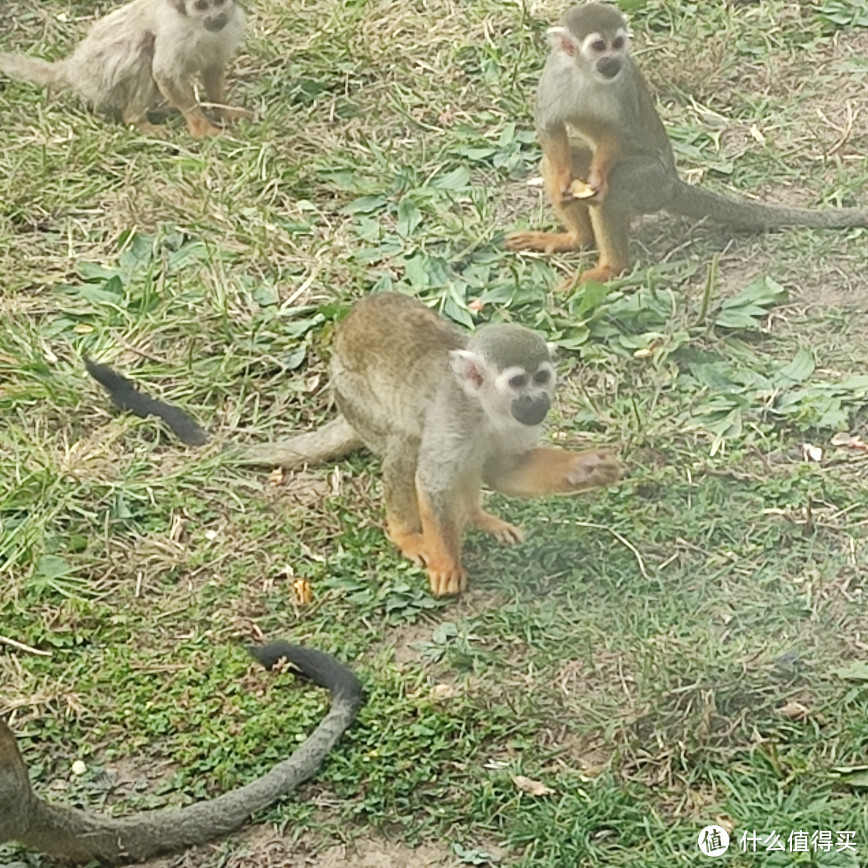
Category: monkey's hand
[547,470]
[598,187]
[591,469]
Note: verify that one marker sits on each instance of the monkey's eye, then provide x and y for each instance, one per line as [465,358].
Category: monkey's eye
[201,5]
[598,45]
[518,381]
[542,377]
[618,43]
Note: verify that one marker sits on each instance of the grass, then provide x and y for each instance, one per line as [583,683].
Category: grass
[681,649]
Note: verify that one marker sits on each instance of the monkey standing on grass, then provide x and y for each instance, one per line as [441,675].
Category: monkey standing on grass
[79,836]
[446,412]
[591,86]
[144,54]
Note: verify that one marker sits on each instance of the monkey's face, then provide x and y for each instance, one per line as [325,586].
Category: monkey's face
[516,393]
[529,392]
[605,53]
[595,39]
[214,15]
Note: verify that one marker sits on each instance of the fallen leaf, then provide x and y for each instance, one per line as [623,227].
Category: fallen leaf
[443,691]
[811,452]
[855,776]
[849,441]
[302,593]
[795,711]
[857,671]
[531,787]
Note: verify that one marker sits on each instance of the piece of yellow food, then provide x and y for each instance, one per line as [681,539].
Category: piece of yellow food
[581,189]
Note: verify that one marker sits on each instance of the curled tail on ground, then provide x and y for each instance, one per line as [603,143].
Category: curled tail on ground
[34,69]
[79,836]
[333,440]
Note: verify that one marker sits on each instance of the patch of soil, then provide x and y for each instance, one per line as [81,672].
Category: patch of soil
[264,847]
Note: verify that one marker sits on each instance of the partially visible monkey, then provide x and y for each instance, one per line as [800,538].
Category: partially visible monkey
[144,54]
[79,836]
[447,414]
[591,87]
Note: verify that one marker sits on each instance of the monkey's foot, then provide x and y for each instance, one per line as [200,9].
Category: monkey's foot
[601,273]
[448,580]
[230,114]
[592,469]
[150,129]
[202,128]
[410,544]
[545,242]
[505,533]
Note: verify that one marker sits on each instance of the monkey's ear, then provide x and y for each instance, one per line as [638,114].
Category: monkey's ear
[561,39]
[469,369]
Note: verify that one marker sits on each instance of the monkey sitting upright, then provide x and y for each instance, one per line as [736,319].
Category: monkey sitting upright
[447,414]
[145,54]
[591,87]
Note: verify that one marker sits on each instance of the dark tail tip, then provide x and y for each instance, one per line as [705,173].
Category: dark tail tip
[318,666]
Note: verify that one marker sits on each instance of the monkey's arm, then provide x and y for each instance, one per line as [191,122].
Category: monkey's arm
[546,470]
[79,836]
[555,145]
[125,396]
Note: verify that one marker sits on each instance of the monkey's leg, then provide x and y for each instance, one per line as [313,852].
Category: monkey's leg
[571,212]
[441,530]
[180,95]
[403,524]
[547,470]
[214,81]
[611,222]
[636,185]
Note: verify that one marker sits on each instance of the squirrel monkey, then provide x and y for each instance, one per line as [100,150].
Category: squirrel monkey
[145,54]
[73,835]
[446,412]
[622,162]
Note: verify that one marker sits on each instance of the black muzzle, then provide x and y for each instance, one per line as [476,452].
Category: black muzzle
[530,410]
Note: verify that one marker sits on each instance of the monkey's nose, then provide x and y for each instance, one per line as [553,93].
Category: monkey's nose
[530,409]
[216,23]
[609,66]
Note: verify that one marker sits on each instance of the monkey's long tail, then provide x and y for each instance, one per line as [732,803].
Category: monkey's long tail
[125,396]
[696,202]
[34,69]
[332,440]
[79,836]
